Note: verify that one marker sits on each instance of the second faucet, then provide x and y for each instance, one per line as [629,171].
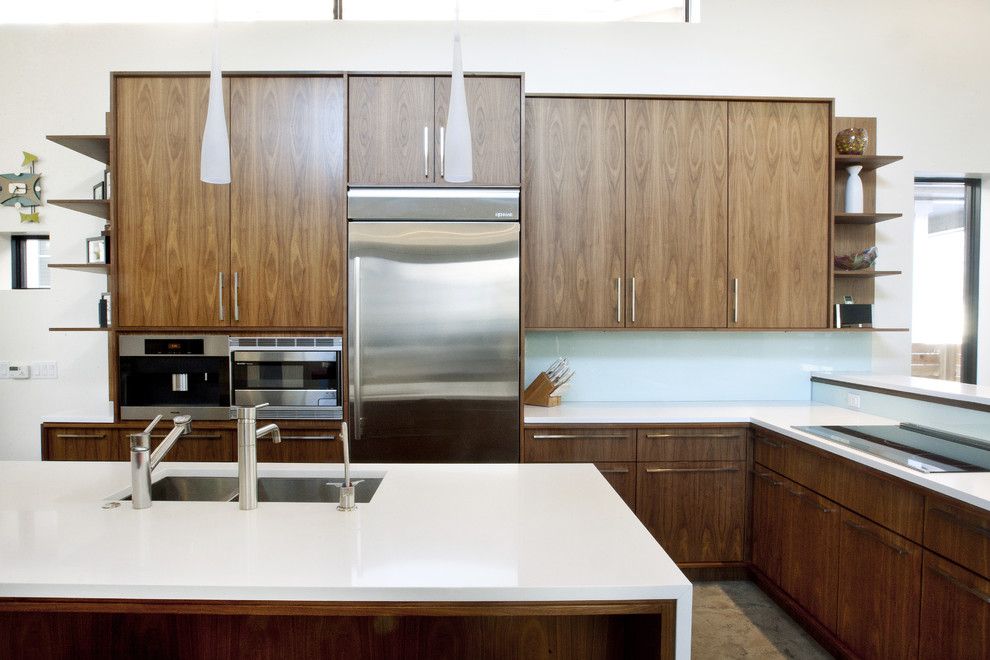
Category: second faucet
[248,435]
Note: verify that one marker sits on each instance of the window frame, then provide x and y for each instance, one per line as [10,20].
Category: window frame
[18,261]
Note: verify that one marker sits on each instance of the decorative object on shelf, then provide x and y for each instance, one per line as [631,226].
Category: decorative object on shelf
[548,386]
[852,141]
[104,310]
[854,190]
[100,190]
[853,315]
[96,250]
[456,157]
[214,164]
[858,261]
[23,190]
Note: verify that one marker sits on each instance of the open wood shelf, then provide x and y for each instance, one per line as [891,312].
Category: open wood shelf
[866,273]
[97,207]
[863,218]
[92,267]
[94,146]
[868,162]
[78,329]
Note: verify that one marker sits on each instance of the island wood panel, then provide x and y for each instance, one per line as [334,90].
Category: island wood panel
[495,114]
[287,201]
[67,629]
[959,532]
[578,445]
[809,569]
[779,215]
[575,213]
[692,444]
[955,612]
[386,119]
[676,232]
[172,230]
[696,510]
[879,590]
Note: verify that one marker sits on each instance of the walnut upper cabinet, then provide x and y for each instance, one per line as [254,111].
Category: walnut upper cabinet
[676,192]
[778,214]
[287,201]
[575,213]
[396,129]
[265,251]
[172,229]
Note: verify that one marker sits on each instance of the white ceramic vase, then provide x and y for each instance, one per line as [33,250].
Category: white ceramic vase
[854,190]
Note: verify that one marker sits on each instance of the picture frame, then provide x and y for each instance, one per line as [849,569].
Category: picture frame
[96,250]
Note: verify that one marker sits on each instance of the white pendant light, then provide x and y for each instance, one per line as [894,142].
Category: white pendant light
[214,163]
[458,166]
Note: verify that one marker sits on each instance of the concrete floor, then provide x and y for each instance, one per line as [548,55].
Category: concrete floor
[737,620]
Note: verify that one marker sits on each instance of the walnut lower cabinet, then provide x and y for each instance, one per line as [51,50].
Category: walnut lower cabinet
[71,443]
[955,611]
[696,510]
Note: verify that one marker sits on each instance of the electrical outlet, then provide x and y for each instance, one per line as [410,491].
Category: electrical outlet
[47,370]
[854,401]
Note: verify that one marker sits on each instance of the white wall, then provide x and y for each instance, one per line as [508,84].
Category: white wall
[917,65]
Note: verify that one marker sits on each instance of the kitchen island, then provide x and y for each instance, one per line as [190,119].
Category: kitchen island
[444,561]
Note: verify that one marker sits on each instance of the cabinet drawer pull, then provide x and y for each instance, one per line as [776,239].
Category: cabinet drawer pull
[959,585]
[692,437]
[769,443]
[767,477]
[80,436]
[719,469]
[800,495]
[578,437]
[309,437]
[191,436]
[614,471]
[953,518]
[876,537]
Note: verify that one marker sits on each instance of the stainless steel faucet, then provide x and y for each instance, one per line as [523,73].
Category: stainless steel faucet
[144,461]
[346,489]
[248,434]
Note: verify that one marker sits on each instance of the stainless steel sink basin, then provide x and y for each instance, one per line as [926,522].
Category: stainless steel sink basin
[270,489]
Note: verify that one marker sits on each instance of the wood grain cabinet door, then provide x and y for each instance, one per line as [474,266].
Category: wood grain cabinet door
[768,526]
[676,194]
[955,612]
[879,590]
[172,229]
[287,197]
[81,444]
[495,112]
[575,213]
[622,477]
[778,214]
[696,511]
[390,129]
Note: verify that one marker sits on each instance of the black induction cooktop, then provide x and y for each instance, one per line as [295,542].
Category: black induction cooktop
[917,447]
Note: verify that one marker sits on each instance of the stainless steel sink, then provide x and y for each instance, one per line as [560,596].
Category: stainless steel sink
[270,489]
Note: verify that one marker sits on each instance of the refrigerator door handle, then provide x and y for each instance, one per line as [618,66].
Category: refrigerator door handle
[355,366]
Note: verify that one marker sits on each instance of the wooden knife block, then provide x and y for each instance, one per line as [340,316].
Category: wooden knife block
[538,392]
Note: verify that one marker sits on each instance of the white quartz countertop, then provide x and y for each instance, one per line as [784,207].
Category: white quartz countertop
[431,533]
[779,416]
[942,389]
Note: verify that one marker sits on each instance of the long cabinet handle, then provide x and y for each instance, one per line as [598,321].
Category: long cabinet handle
[220,303]
[720,469]
[959,584]
[80,436]
[443,149]
[578,437]
[237,288]
[191,436]
[953,518]
[768,443]
[735,300]
[800,495]
[876,537]
[633,310]
[766,477]
[614,470]
[618,300]
[309,437]
[426,152]
[692,437]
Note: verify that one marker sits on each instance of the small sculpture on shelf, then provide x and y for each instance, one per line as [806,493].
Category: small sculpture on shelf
[858,261]
[852,142]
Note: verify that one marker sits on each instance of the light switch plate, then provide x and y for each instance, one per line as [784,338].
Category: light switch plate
[46,370]
[854,401]
[18,371]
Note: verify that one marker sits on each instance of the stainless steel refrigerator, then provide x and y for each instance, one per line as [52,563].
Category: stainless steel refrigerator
[433,325]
